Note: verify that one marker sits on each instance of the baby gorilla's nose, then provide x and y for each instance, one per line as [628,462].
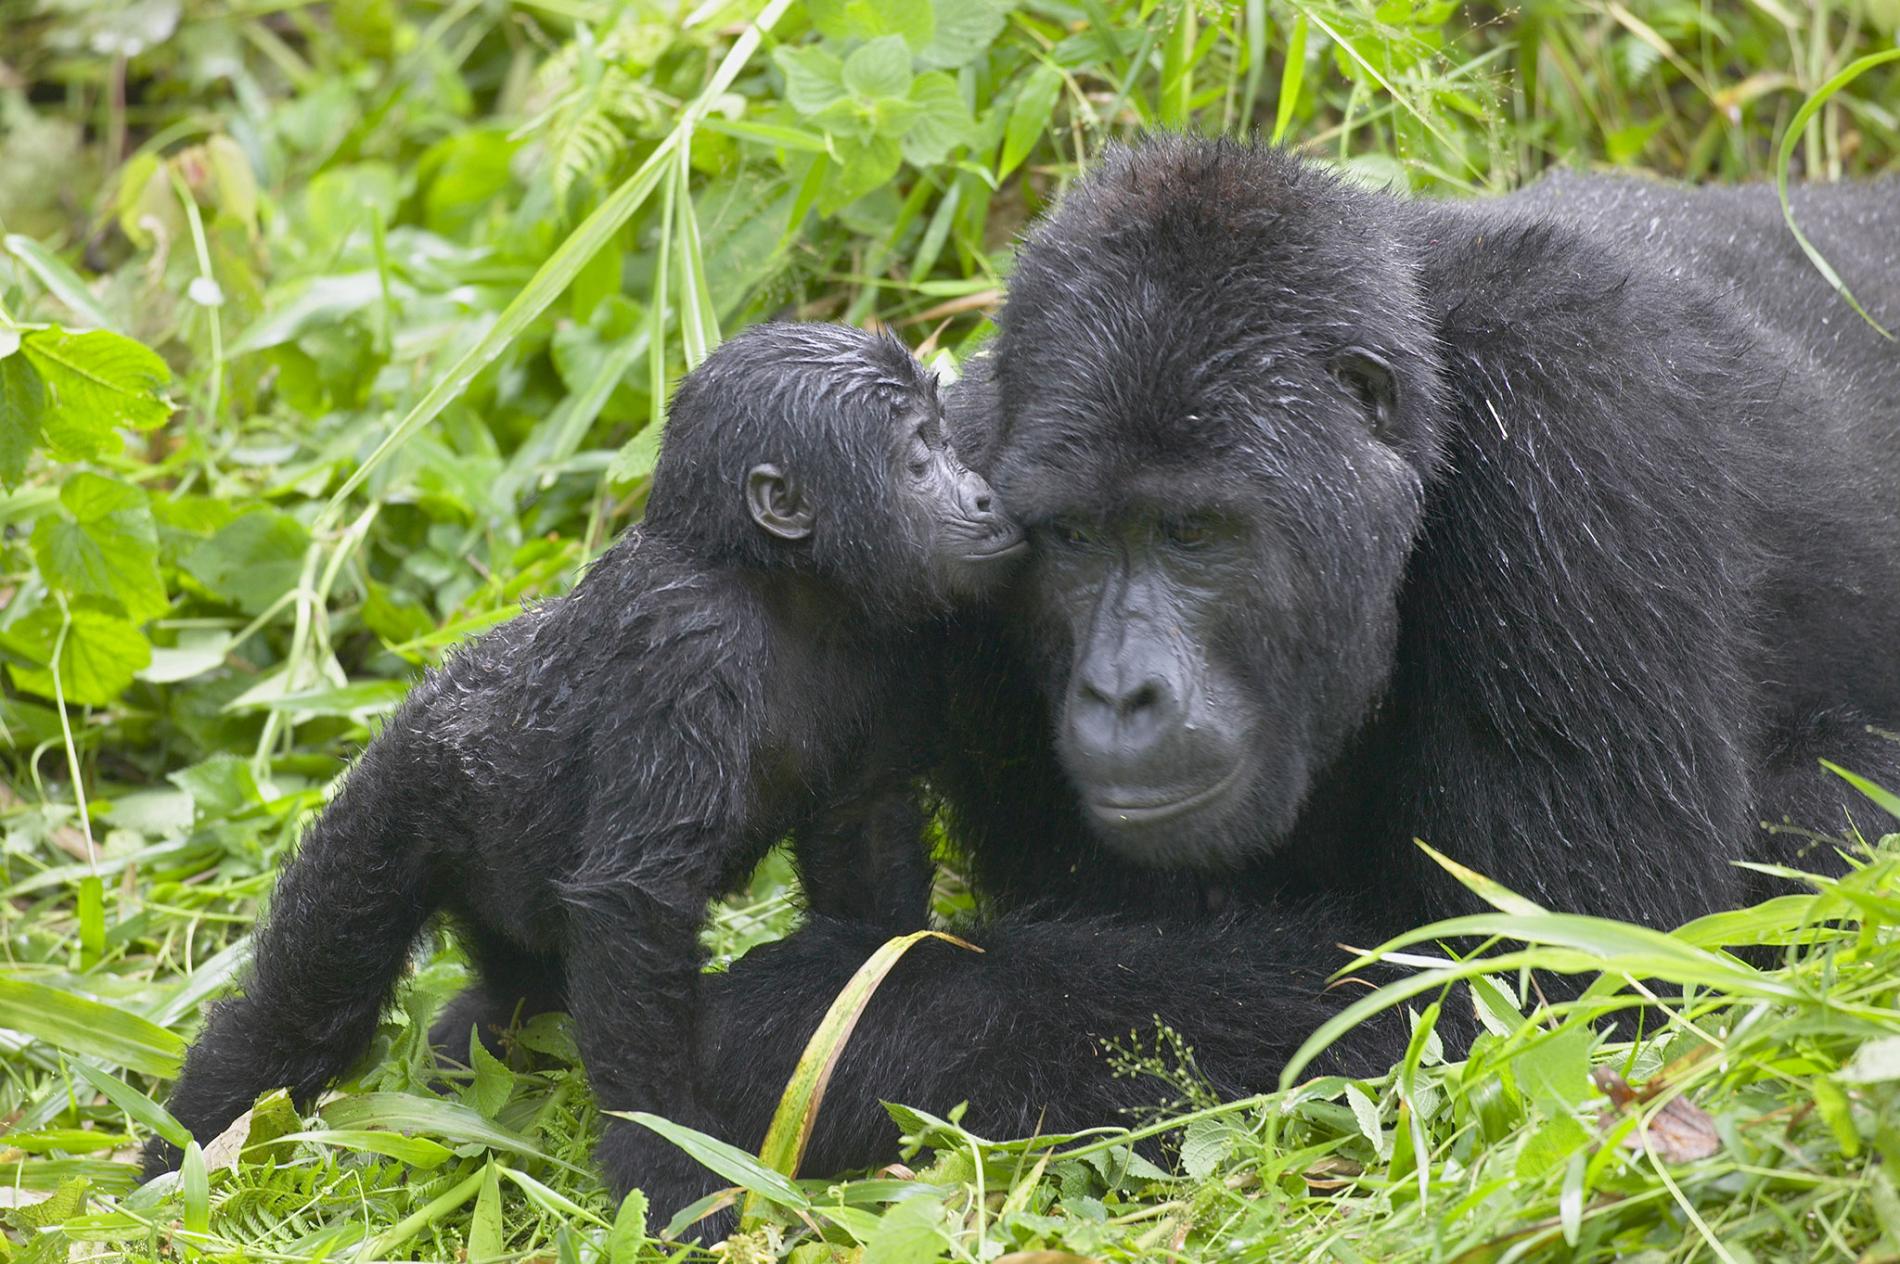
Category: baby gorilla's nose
[975,494]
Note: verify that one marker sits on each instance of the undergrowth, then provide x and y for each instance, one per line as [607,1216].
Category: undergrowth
[331,332]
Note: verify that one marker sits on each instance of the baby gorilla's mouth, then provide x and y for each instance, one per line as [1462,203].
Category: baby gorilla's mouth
[1006,545]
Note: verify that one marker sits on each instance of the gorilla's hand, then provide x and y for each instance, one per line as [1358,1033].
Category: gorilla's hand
[1017,1029]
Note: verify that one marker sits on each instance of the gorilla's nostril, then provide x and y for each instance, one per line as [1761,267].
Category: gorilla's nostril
[1143,697]
[982,502]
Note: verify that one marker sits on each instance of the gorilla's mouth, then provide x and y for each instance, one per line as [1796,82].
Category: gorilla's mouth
[1115,811]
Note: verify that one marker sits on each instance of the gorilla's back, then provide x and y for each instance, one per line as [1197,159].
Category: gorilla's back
[1837,499]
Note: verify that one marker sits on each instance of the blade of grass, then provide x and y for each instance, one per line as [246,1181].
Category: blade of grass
[1173,106]
[382,1245]
[552,278]
[80,1025]
[699,320]
[1785,156]
[790,1130]
[1292,77]
[136,1105]
[1255,43]
[1886,800]
[728,1161]
[1497,895]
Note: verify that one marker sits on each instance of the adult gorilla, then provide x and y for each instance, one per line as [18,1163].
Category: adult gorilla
[1558,530]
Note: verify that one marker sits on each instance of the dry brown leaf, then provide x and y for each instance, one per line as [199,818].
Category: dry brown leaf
[1679,1132]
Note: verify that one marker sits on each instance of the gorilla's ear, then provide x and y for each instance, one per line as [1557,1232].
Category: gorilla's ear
[777,503]
[1370,378]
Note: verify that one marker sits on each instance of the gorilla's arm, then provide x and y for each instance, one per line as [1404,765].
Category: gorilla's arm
[1017,1030]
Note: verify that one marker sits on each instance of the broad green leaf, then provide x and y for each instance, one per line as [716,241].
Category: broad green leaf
[22,412]
[198,651]
[467,173]
[273,1119]
[1205,1144]
[99,657]
[406,1112]
[68,1201]
[220,785]
[253,560]
[41,1175]
[79,1024]
[864,165]
[814,77]
[841,20]
[493,1084]
[629,1234]
[964,31]
[95,382]
[415,1151]
[70,1140]
[1028,117]
[1555,1069]
[942,121]
[879,69]
[60,281]
[316,303]
[912,1232]
[232,178]
[637,456]
[1831,1103]
[107,548]
[1877,1061]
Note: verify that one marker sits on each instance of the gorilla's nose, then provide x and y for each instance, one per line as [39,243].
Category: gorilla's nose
[1121,719]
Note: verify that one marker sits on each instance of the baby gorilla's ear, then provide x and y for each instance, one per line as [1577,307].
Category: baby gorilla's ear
[777,503]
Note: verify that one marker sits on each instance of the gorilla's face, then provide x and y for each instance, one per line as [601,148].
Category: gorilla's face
[1210,629]
[1222,480]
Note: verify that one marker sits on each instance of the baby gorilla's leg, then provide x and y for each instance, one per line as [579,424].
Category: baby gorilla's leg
[866,860]
[343,921]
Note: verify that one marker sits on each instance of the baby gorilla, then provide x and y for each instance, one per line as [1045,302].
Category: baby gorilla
[572,788]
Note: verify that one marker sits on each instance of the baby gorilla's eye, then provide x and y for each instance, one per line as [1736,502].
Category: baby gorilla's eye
[918,451]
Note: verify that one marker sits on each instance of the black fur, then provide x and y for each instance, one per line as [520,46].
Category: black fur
[1560,530]
[574,786]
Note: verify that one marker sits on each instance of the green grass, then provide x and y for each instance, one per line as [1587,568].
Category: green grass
[388,295]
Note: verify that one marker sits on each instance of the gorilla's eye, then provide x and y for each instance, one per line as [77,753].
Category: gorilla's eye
[1070,531]
[1190,532]
[1370,378]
